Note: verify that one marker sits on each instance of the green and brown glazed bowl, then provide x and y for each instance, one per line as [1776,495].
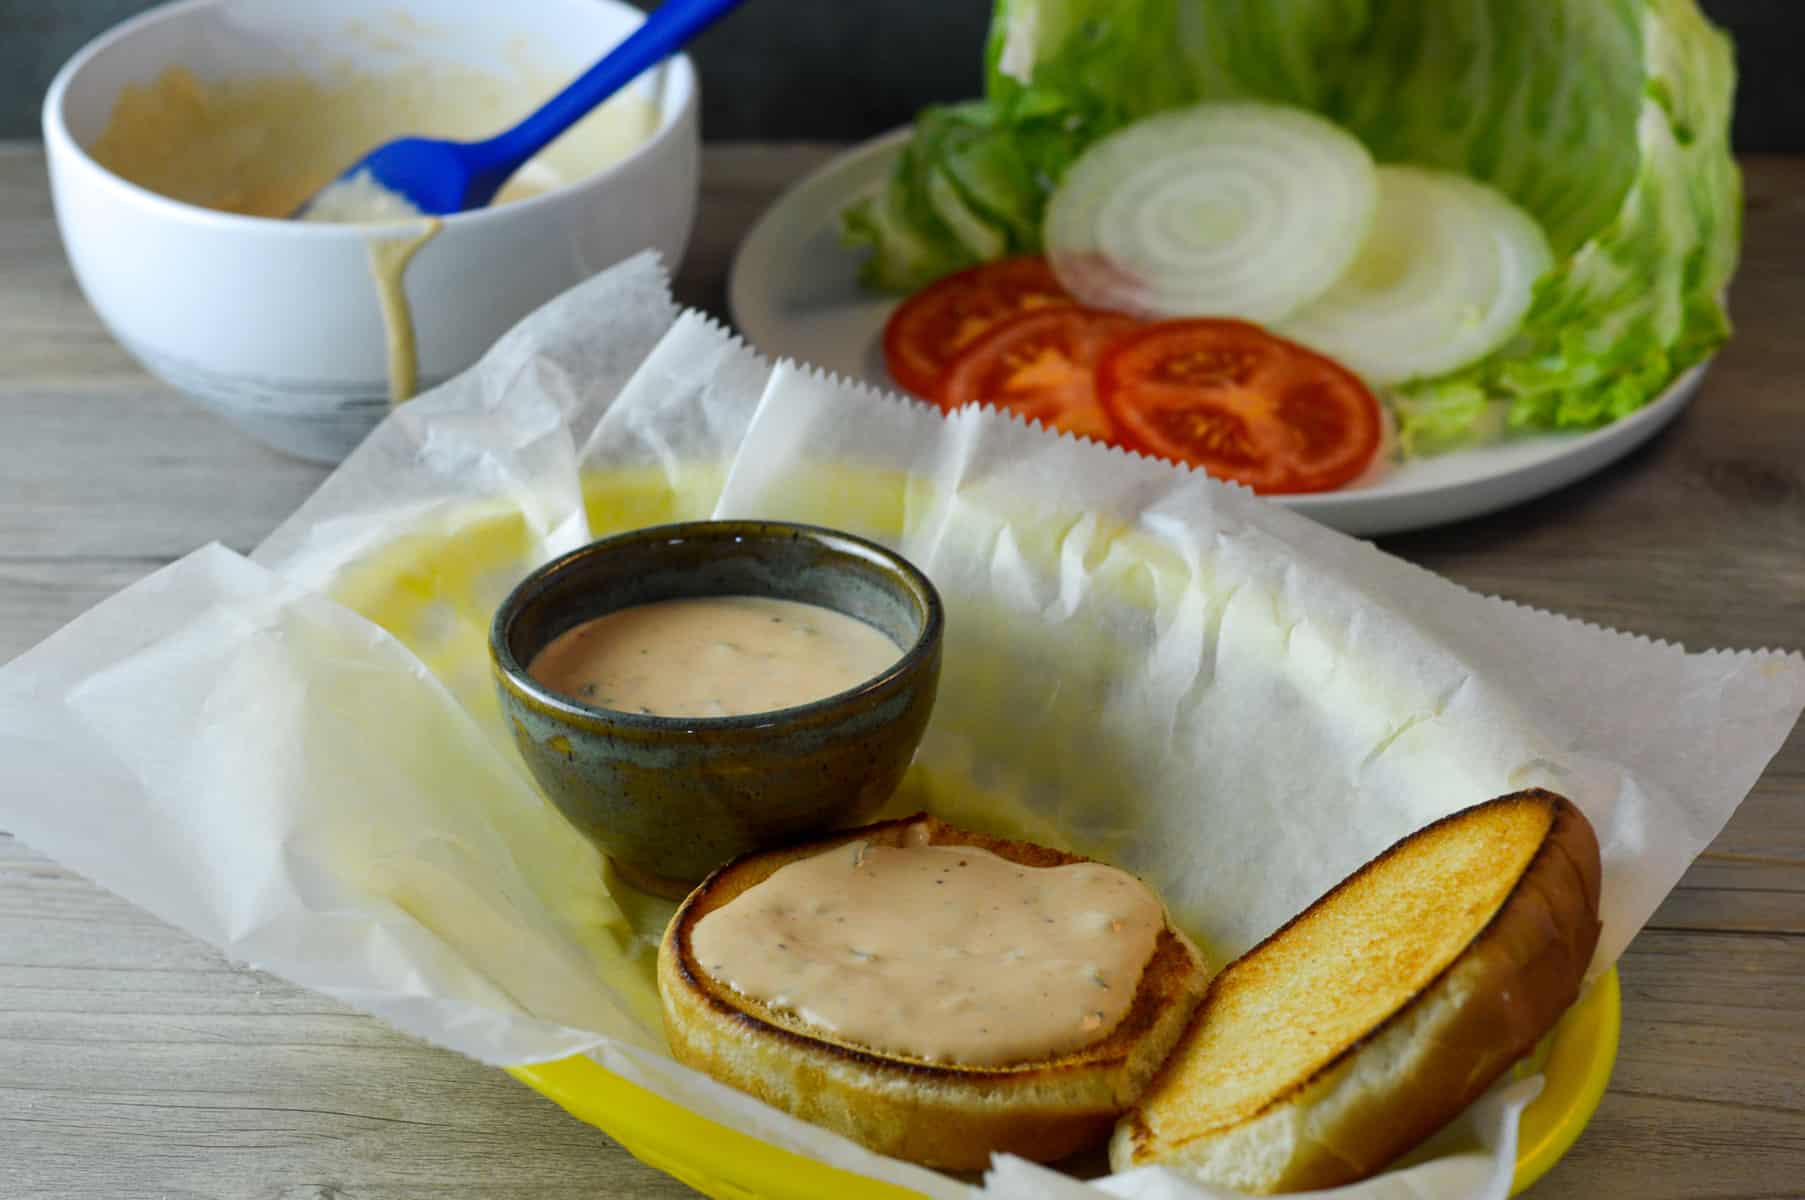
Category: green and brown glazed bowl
[669,799]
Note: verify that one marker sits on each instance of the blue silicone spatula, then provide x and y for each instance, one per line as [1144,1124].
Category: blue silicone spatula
[438,177]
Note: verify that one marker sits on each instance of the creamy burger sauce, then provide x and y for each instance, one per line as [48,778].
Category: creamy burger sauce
[713,656]
[943,953]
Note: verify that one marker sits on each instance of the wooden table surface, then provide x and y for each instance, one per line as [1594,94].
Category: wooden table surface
[136,1062]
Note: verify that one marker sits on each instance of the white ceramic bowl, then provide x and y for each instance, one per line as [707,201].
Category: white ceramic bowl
[275,324]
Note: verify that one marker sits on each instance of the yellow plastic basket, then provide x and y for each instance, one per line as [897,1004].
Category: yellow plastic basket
[443,570]
[1575,1059]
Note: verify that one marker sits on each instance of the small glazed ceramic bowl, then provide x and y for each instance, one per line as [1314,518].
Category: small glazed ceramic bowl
[669,799]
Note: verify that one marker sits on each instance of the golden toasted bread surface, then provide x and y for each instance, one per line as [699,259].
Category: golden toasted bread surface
[1384,1009]
[939,1114]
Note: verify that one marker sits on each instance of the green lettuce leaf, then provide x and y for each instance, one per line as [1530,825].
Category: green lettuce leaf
[1606,119]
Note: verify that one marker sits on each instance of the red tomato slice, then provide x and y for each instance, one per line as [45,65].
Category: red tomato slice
[929,329]
[1242,404]
[1041,364]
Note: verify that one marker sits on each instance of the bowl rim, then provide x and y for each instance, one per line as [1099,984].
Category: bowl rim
[926,643]
[673,122]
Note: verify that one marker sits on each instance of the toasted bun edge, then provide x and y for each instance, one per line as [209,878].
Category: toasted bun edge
[1433,1056]
[943,1115]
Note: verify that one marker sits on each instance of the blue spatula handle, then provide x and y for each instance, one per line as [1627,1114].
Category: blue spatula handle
[661,35]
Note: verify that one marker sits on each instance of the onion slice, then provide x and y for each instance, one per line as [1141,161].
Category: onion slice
[1445,278]
[1240,209]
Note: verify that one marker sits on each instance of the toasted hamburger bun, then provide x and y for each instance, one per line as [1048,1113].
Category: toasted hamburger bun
[934,1113]
[1384,1009]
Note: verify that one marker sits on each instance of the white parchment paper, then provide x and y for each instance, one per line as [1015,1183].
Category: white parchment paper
[1141,664]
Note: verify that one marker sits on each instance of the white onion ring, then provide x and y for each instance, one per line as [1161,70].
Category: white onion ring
[1444,279]
[1239,209]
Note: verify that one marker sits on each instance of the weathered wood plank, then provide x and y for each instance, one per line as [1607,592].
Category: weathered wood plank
[38,596]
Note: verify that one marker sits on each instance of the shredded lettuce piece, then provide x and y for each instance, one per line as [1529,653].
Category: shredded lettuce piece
[1607,120]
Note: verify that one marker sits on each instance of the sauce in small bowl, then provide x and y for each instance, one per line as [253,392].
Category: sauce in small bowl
[788,673]
[713,656]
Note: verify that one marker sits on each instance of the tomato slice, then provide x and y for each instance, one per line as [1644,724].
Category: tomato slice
[1041,364]
[929,329]
[1241,403]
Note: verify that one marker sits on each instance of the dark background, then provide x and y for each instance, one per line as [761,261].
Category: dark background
[842,69]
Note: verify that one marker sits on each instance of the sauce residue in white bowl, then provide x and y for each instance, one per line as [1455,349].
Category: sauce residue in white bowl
[262,145]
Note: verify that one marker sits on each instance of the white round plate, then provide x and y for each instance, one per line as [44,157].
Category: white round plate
[794,293]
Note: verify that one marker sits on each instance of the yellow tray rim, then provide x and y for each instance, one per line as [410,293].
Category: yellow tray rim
[729,1165]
